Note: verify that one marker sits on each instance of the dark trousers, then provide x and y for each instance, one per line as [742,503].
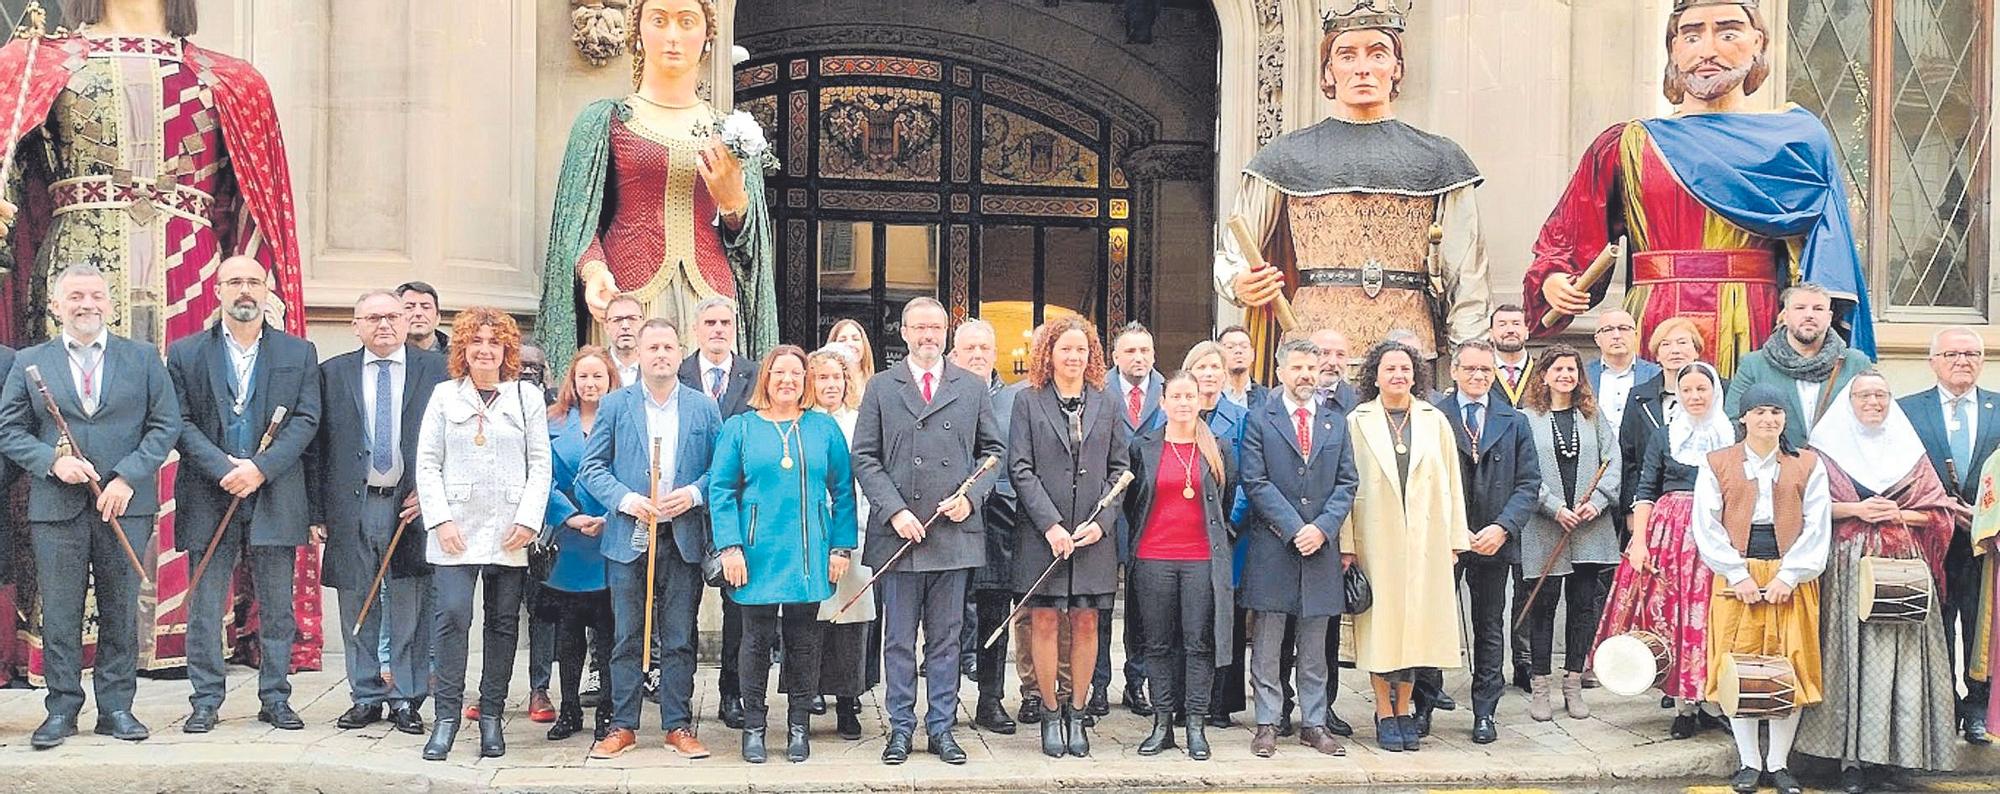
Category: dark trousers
[991,608]
[1960,611]
[730,680]
[501,596]
[271,570]
[1175,602]
[1486,585]
[541,639]
[1578,594]
[399,613]
[585,623]
[934,601]
[69,554]
[677,605]
[798,676]
[1135,655]
[1518,625]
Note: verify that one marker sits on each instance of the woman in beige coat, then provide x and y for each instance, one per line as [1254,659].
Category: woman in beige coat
[1406,530]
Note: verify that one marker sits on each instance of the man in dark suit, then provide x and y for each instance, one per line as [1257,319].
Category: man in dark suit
[1242,387]
[1960,426]
[918,422]
[1333,388]
[230,380]
[1299,476]
[123,420]
[1497,453]
[420,307]
[1507,327]
[974,346]
[727,379]
[1135,390]
[360,485]
[617,470]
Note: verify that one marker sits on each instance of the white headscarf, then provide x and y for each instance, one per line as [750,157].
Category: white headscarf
[1874,457]
[1690,438]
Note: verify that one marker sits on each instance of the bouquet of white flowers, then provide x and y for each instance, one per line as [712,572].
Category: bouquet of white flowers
[745,138]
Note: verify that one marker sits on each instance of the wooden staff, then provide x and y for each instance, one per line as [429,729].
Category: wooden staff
[1561,543]
[652,557]
[65,440]
[1117,487]
[1596,272]
[381,572]
[985,466]
[277,416]
[1253,253]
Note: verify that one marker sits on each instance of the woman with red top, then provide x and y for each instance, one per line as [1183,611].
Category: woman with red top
[1181,569]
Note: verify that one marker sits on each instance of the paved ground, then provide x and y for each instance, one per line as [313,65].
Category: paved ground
[1622,748]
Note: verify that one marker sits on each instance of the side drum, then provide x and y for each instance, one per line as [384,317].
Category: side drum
[1633,662]
[1893,590]
[1756,687]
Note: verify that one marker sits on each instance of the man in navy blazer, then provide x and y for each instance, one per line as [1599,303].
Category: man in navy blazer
[617,470]
[1135,389]
[1496,450]
[230,381]
[1960,427]
[726,378]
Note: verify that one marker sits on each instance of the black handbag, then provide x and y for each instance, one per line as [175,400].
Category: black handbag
[542,550]
[1358,594]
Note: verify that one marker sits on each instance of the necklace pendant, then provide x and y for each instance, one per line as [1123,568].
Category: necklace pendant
[1475,458]
[1402,449]
[786,462]
[1187,491]
[479,440]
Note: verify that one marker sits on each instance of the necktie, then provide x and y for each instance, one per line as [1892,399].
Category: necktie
[86,360]
[1305,431]
[1472,422]
[1134,401]
[715,383]
[1961,436]
[927,388]
[1513,377]
[380,455]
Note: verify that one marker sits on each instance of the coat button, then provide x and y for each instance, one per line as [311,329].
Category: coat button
[357,493]
[920,425]
[947,425]
[1302,471]
[1082,471]
[920,461]
[945,463]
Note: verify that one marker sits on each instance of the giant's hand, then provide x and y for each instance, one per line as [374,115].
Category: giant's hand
[1564,297]
[1258,287]
[598,290]
[7,211]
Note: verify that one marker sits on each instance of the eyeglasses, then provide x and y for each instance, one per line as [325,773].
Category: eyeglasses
[377,319]
[1960,355]
[623,319]
[243,283]
[1615,329]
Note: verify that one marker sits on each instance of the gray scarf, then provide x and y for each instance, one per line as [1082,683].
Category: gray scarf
[1788,361]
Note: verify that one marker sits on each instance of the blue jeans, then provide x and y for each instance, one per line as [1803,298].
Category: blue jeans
[676,608]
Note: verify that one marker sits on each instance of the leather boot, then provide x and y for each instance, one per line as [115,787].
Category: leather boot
[443,733]
[1538,699]
[1162,737]
[753,745]
[1197,737]
[1054,743]
[1573,696]
[492,737]
[568,722]
[1079,741]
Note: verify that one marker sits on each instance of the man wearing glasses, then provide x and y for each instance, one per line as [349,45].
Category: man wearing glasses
[1618,366]
[1960,426]
[620,334]
[360,486]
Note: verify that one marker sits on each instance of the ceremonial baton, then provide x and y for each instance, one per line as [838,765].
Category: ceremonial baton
[65,440]
[1610,256]
[1253,253]
[985,466]
[277,416]
[652,557]
[381,572]
[1561,544]
[1117,487]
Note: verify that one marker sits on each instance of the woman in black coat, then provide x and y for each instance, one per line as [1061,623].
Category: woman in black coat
[1066,445]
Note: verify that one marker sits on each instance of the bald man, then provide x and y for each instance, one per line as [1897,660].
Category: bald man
[1618,367]
[1334,351]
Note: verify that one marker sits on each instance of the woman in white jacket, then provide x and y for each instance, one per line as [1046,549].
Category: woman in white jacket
[834,384]
[483,483]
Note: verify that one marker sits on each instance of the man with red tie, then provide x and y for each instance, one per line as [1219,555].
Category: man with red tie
[726,378]
[1136,389]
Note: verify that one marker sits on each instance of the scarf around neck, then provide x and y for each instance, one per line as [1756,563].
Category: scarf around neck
[1788,361]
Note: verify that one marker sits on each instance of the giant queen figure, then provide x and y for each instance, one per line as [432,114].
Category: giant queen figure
[131,148]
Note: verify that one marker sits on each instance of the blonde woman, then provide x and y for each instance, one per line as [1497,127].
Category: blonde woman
[834,388]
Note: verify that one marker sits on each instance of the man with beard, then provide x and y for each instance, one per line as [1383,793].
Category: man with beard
[1808,364]
[420,304]
[620,335]
[1333,386]
[1507,328]
[230,382]
[1239,352]
[1720,206]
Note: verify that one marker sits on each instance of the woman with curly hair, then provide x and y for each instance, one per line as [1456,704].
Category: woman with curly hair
[1066,445]
[483,476]
[1573,441]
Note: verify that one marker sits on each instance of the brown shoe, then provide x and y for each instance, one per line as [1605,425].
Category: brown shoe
[614,744]
[1265,743]
[1322,740]
[539,707]
[681,740]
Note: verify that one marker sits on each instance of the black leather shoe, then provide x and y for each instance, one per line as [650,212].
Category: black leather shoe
[568,722]
[1853,780]
[818,706]
[1099,703]
[1054,743]
[753,745]
[731,713]
[1074,731]
[1484,731]
[847,718]
[1521,676]
[1782,780]
[798,743]
[442,735]
[406,719]
[121,725]
[1337,726]
[1685,726]
[1421,722]
[1745,781]
[1222,721]
[968,666]
[281,716]
[898,749]
[1444,702]
[1285,727]
[603,726]
[992,716]
[492,736]
[1162,737]
[1135,699]
[359,716]
[1975,731]
[946,748]
[1197,738]
[1031,709]
[201,720]
[53,731]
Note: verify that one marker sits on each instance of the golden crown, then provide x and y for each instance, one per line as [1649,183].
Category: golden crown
[1360,14]
[1683,5]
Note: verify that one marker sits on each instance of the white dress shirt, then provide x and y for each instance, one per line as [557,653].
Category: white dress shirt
[1809,401]
[242,362]
[397,367]
[1292,416]
[74,348]
[663,424]
[708,370]
[1614,387]
[1807,556]
[628,374]
[936,372]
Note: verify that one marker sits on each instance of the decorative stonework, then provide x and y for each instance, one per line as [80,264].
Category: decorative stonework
[878,200]
[1270,71]
[880,66]
[961,271]
[597,28]
[798,276]
[756,76]
[1020,94]
[1170,161]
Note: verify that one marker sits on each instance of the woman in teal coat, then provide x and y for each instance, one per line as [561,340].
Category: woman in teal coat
[781,501]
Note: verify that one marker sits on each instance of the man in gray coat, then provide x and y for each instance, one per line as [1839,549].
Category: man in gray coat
[123,420]
[918,422]
[229,381]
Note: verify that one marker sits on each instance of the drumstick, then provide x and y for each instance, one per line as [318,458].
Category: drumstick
[1117,487]
[985,466]
[1561,544]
